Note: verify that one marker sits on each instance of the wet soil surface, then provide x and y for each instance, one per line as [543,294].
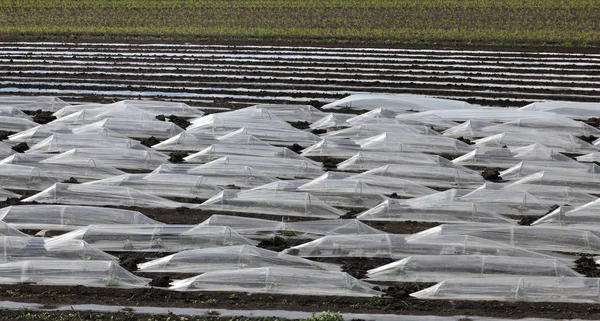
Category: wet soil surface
[397,301]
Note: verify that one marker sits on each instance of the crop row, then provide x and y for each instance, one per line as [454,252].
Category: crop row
[382,20]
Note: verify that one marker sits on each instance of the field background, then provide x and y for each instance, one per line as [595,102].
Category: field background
[566,23]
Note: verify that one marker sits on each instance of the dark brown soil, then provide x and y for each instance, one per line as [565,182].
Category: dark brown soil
[43,117]
[587,266]
[179,121]
[4,134]
[71,180]
[150,141]
[300,124]
[590,139]
[357,267]
[178,156]
[491,174]
[279,244]
[398,302]
[20,147]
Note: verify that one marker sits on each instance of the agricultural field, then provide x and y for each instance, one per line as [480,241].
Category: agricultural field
[570,23]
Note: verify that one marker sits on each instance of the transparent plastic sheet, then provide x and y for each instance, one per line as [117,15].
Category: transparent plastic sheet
[134,128]
[18,248]
[581,182]
[268,134]
[331,120]
[437,268]
[537,238]
[375,116]
[229,258]
[66,217]
[5,150]
[37,134]
[558,142]
[165,185]
[92,115]
[427,209]
[584,217]
[154,238]
[225,122]
[530,289]
[401,102]
[389,185]
[123,158]
[551,123]
[428,175]
[64,168]
[560,195]
[271,202]
[4,195]
[528,167]
[293,113]
[21,177]
[99,195]
[9,111]
[505,157]
[15,124]
[58,143]
[367,160]
[251,114]
[219,150]
[589,158]
[344,193]
[429,120]
[70,273]
[33,102]
[432,144]
[576,110]
[369,130]
[397,247]
[469,129]
[261,228]
[276,167]
[287,186]
[508,202]
[187,141]
[10,230]
[337,148]
[151,106]
[490,114]
[281,280]
[222,175]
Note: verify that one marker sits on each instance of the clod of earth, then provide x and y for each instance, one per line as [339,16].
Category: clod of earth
[150,141]
[179,121]
[4,134]
[71,180]
[43,117]
[491,174]
[300,124]
[177,157]
[20,147]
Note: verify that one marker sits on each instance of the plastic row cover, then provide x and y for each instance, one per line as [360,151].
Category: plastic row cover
[33,102]
[134,128]
[216,151]
[398,246]
[277,167]
[576,110]
[4,195]
[18,248]
[59,272]
[415,143]
[525,168]
[559,142]
[229,258]
[270,134]
[24,178]
[504,157]
[534,289]
[124,158]
[367,160]
[585,217]
[99,195]
[397,102]
[428,175]
[437,268]
[165,185]
[64,166]
[92,115]
[528,237]
[370,130]
[343,192]
[554,123]
[15,124]
[65,217]
[224,175]
[331,120]
[271,202]
[155,238]
[261,228]
[293,113]
[151,106]
[58,143]
[578,181]
[280,280]
[5,150]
